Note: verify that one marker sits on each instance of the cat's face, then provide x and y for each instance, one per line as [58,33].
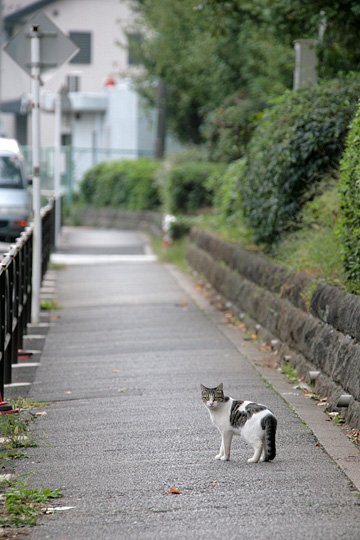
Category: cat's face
[212,397]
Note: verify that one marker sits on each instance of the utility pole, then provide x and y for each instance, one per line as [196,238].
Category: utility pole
[160,142]
[49,48]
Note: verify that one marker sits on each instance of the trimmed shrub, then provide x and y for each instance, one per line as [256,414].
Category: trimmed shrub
[349,190]
[127,184]
[227,197]
[298,140]
[189,186]
[89,182]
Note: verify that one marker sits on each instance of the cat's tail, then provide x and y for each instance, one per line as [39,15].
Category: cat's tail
[269,424]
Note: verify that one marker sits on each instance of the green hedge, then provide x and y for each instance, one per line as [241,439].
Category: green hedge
[189,187]
[297,141]
[349,189]
[227,197]
[127,184]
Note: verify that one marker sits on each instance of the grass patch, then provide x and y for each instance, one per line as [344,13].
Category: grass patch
[14,430]
[290,372]
[175,253]
[315,247]
[27,404]
[50,305]
[22,505]
[9,455]
[56,266]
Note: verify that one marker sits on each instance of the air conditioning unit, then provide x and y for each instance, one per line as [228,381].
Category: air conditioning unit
[73,83]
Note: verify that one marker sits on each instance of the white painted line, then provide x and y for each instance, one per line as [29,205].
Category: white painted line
[73,259]
[25,365]
[17,384]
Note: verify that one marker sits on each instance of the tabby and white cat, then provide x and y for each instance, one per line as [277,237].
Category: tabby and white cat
[254,422]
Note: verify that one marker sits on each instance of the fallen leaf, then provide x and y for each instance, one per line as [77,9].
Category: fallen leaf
[115,370]
[122,390]
[213,484]
[68,392]
[311,396]
[40,413]
[174,491]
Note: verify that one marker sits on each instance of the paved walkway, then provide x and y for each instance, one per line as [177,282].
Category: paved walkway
[121,371]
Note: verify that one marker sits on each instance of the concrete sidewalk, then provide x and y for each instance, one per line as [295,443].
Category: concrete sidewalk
[121,371]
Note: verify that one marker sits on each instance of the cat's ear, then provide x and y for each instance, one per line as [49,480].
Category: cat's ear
[203,388]
[220,387]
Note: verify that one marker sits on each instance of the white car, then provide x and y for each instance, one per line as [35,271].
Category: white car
[15,209]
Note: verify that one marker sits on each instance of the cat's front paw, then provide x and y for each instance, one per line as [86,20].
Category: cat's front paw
[252,460]
[218,456]
[225,458]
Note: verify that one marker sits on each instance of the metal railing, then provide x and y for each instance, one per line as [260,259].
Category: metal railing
[15,291]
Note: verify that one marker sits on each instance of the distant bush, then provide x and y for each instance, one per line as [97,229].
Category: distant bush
[188,186]
[349,189]
[90,180]
[296,142]
[127,184]
[228,129]
[227,196]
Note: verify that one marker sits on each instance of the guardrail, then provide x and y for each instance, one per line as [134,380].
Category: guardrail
[15,290]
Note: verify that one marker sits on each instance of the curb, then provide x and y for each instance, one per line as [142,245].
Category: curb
[344,453]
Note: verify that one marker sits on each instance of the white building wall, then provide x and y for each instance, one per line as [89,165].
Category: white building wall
[121,118]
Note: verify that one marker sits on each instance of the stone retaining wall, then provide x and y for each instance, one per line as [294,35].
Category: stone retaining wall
[119,219]
[318,325]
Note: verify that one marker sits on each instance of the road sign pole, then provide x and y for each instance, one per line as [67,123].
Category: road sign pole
[49,49]
[35,117]
[57,167]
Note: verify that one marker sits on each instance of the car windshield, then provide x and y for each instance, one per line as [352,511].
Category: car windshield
[10,172]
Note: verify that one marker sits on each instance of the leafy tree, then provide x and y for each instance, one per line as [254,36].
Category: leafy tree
[204,58]
[294,19]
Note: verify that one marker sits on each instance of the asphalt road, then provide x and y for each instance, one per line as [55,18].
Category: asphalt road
[121,371]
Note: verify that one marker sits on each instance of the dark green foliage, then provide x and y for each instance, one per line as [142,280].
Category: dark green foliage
[23,505]
[349,189]
[298,140]
[124,184]
[89,183]
[189,186]
[228,129]
[180,228]
[227,196]
[301,18]
[294,19]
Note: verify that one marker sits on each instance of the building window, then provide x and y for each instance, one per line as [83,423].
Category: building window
[83,41]
[134,44]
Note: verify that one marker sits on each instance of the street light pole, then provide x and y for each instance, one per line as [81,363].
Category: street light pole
[37,233]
